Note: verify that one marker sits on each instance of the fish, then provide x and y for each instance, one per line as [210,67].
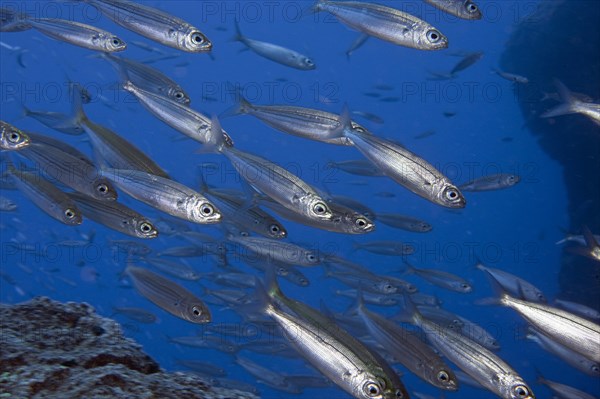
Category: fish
[369,116]
[168,295]
[148,78]
[491,182]
[282,269]
[71,32]
[154,24]
[370,298]
[466,61]
[180,117]
[385,23]
[267,376]
[308,123]
[331,350]
[512,77]
[478,362]
[273,52]
[372,283]
[11,138]
[115,216]
[206,341]
[464,9]
[360,167]
[202,367]
[515,285]
[135,314]
[165,194]
[441,278]
[572,105]
[358,43]
[47,196]
[175,269]
[351,203]
[568,356]
[7,205]
[69,166]
[591,249]
[568,329]
[405,167]
[278,251]
[403,222]
[578,308]
[389,248]
[413,353]
[56,121]
[564,391]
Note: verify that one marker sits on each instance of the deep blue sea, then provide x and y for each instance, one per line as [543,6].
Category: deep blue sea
[478,129]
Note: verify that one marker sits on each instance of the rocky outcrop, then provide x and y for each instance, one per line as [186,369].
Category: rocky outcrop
[65,350]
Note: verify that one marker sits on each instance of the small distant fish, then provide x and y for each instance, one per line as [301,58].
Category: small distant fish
[512,77]
[385,23]
[175,269]
[267,376]
[154,24]
[168,295]
[71,32]
[491,182]
[372,94]
[55,120]
[278,250]
[565,391]
[384,194]
[47,197]
[358,43]
[449,114]
[573,105]
[591,249]
[441,279]
[369,116]
[11,138]
[390,248]
[464,9]
[360,167]
[115,216]
[467,61]
[369,297]
[515,285]
[202,367]
[389,99]
[275,53]
[7,205]
[425,134]
[404,222]
[135,314]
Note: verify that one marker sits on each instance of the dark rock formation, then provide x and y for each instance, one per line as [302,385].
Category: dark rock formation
[561,40]
[54,350]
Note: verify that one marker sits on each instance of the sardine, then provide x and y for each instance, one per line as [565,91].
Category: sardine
[582,310]
[404,222]
[389,248]
[464,9]
[168,295]
[385,23]
[175,269]
[441,278]
[11,138]
[115,216]
[273,52]
[279,251]
[267,376]
[135,314]
[565,391]
[515,285]
[154,24]
[490,182]
[360,167]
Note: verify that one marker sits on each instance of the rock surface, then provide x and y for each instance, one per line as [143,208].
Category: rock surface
[59,350]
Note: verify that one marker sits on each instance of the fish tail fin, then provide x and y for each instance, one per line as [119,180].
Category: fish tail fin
[273,288]
[569,104]
[238,37]
[315,7]
[78,114]
[216,140]
[264,302]
[358,305]
[590,240]
[13,21]
[408,268]
[408,311]
[498,290]
[242,105]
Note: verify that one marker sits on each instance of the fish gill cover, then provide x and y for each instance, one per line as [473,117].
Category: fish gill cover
[335,149]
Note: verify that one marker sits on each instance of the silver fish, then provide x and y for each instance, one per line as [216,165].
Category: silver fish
[154,24]
[267,376]
[202,367]
[406,168]
[441,278]
[55,120]
[75,33]
[413,353]
[466,61]
[308,123]
[515,285]
[385,23]
[135,314]
[175,269]
[491,182]
[47,197]
[115,216]
[464,9]
[573,105]
[512,77]
[352,203]
[11,138]
[582,310]
[358,43]
[7,205]
[591,249]
[360,167]
[565,391]
[278,251]
[331,350]
[147,78]
[568,356]
[164,194]
[565,328]
[180,117]
[370,298]
[389,248]
[168,295]
[404,222]
[275,53]
[475,360]
[59,161]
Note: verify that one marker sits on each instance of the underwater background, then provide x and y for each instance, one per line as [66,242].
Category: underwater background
[475,126]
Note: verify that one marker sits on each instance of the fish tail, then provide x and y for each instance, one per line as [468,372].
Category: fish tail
[273,289]
[408,312]
[238,37]
[242,106]
[570,105]
[13,21]
[79,116]
[314,8]
[409,269]
[590,240]
[498,290]
[216,141]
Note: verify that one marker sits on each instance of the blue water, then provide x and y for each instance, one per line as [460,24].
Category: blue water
[513,229]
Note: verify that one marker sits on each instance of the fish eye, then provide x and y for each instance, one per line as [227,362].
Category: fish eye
[472,8]
[308,61]
[399,394]
[274,228]
[178,95]
[320,208]
[116,41]
[595,368]
[360,222]
[443,376]
[197,38]
[372,389]
[465,286]
[102,188]
[14,137]
[452,194]
[359,129]
[521,391]
[69,213]
[311,257]
[146,227]
[303,282]
[244,234]
[207,209]
[434,36]
[196,311]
